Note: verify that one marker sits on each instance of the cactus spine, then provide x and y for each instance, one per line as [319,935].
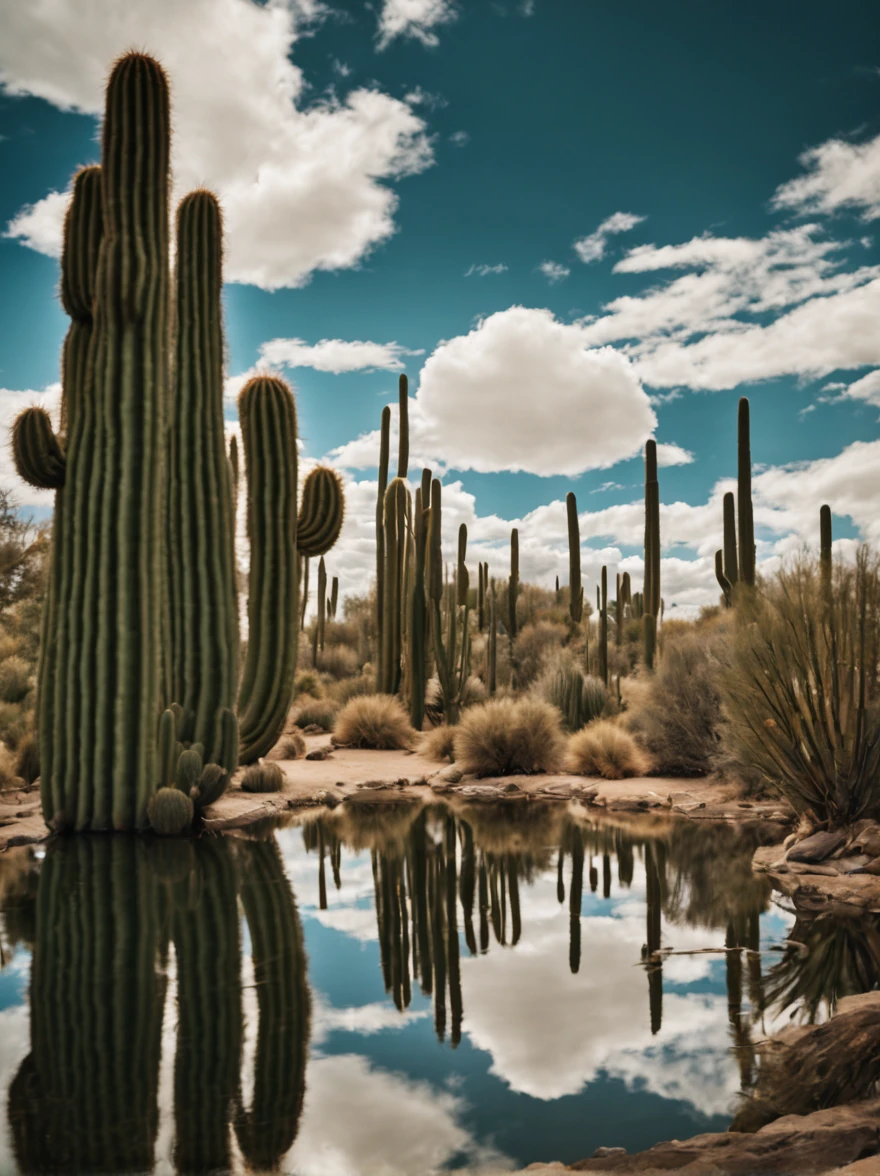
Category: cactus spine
[744,496]
[268,429]
[652,553]
[97,734]
[201,555]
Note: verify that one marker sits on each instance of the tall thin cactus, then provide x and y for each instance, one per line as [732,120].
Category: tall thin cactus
[652,602]
[268,429]
[513,583]
[384,448]
[730,559]
[744,496]
[575,588]
[825,548]
[203,606]
[418,621]
[394,523]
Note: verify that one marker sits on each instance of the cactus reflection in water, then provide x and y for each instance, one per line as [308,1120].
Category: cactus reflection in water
[107,910]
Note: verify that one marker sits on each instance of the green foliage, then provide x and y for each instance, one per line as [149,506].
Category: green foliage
[579,697]
[170,812]
[801,691]
[263,777]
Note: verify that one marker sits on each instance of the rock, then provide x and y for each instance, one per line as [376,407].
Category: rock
[817,847]
[313,729]
[451,775]
[868,841]
[852,863]
[828,869]
[603,1153]
[560,789]
[790,840]
[510,788]
[320,753]
[481,792]
[438,785]
[873,867]
[585,792]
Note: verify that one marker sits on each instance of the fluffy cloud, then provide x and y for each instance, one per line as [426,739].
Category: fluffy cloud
[592,247]
[414,18]
[483,270]
[335,355]
[867,389]
[699,329]
[303,189]
[553,271]
[672,455]
[522,391]
[838,175]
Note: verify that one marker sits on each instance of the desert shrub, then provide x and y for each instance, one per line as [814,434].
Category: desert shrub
[263,777]
[579,697]
[439,744]
[507,736]
[10,645]
[339,661]
[27,759]
[315,712]
[15,679]
[307,682]
[679,719]
[374,720]
[532,646]
[347,688]
[801,690]
[341,633]
[606,749]
[15,723]
[8,775]
[290,746]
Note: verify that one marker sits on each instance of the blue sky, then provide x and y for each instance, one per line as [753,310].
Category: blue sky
[429,179]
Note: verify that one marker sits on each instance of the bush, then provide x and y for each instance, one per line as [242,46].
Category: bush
[289,747]
[439,744]
[507,736]
[339,661]
[340,692]
[316,713]
[307,682]
[531,648]
[606,749]
[374,720]
[801,691]
[27,760]
[9,777]
[15,679]
[679,720]
[263,777]
[15,723]
[578,697]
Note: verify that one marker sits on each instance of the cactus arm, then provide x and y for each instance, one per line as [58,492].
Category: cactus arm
[322,512]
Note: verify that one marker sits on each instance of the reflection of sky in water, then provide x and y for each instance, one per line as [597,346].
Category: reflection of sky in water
[550,1064]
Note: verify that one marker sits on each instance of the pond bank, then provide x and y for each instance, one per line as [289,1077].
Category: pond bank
[361,777]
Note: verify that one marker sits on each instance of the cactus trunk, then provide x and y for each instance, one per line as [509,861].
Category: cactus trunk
[744,496]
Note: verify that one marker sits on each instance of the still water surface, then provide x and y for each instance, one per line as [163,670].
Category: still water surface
[400,992]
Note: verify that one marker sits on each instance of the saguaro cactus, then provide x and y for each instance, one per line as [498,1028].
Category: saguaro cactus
[730,560]
[268,429]
[825,553]
[392,594]
[723,582]
[384,446]
[652,602]
[603,628]
[575,588]
[744,496]
[513,583]
[98,717]
[321,512]
[418,606]
[201,555]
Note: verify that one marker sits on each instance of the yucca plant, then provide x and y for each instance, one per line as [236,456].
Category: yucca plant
[801,689]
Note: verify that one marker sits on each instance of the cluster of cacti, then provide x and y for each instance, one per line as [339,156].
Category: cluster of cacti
[263,777]
[735,561]
[145,492]
[579,697]
[450,643]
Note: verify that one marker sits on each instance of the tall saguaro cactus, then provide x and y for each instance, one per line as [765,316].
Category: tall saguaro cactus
[513,583]
[98,717]
[268,428]
[575,588]
[201,555]
[384,447]
[744,496]
[825,551]
[652,552]
[729,554]
[418,620]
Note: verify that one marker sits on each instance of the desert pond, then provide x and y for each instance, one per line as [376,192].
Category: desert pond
[399,991]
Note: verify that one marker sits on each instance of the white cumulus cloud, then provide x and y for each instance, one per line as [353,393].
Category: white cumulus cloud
[335,355]
[418,19]
[302,188]
[592,247]
[837,175]
[553,271]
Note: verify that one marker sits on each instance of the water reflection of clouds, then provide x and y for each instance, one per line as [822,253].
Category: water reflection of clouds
[360,1121]
[365,1019]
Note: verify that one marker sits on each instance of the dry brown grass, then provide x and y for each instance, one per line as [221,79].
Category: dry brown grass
[439,744]
[374,720]
[606,749]
[15,679]
[507,736]
[534,644]
[315,712]
[289,747]
[339,661]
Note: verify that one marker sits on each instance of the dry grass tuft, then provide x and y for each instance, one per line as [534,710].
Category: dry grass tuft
[606,749]
[313,712]
[289,747]
[15,679]
[506,737]
[439,744]
[374,720]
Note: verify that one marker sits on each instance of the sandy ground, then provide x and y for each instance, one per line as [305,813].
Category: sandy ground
[358,777]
